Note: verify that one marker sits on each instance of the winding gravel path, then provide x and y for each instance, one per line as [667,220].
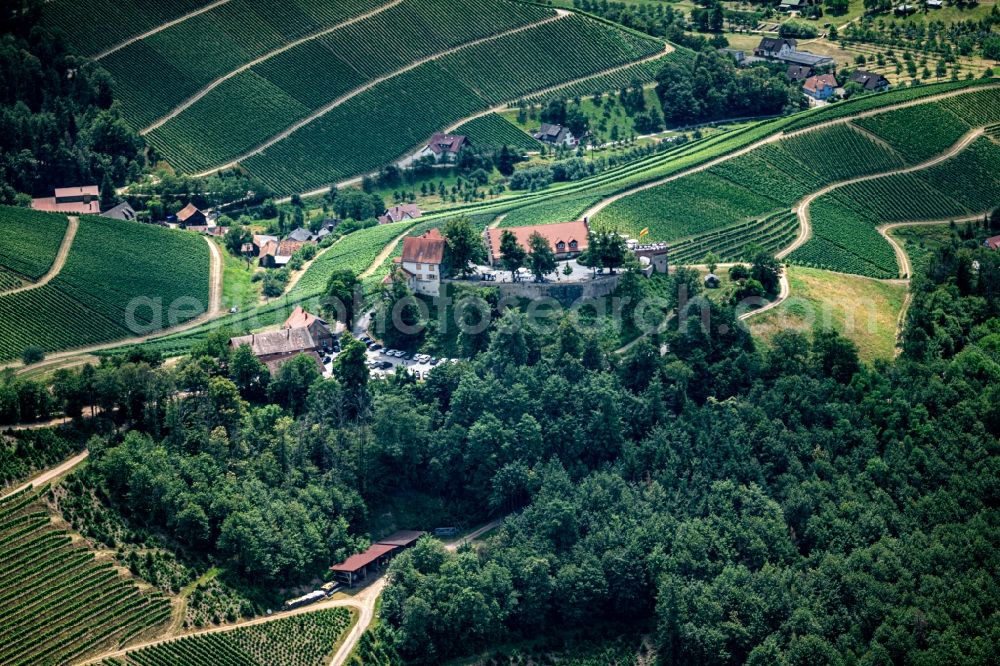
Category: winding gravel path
[57,263]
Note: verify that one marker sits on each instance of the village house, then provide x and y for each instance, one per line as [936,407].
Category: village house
[302,333]
[301,235]
[820,87]
[567,239]
[85,200]
[992,243]
[190,216]
[870,81]
[420,263]
[786,50]
[122,211]
[400,213]
[792,5]
[277,254]
[258,242]
[444,147]
[773,47]
[555,135]
[798,72]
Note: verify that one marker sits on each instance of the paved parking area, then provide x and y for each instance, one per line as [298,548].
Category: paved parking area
[396,363]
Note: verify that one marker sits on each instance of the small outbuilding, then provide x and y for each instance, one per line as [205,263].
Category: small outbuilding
[356,568]
[712,281]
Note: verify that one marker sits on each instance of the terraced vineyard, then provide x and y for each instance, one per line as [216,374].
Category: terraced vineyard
[300,640]
[57,603]
[843,221]
[730,244]
[120,19]
[31,240]
[155,74]
[117,274]
[330,90]
[494,130]
[918,133]
[296,82]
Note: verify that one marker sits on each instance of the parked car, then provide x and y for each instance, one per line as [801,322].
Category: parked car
[399,353]
[434,361]
[365,339]
[384,365]
[374,346]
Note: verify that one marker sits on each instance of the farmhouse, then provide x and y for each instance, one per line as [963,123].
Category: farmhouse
[301,235]
[444,147]
[820,87]
[85,200]
[400,213]
[555,135]
[317,327]
[420,263]
[120,212]
[792,5]
[870,81]
[259,242]
[276,347]
[786,50]
[992,243]
[798,72]
[773,47]
[276,254]
[567,239]
[190,216]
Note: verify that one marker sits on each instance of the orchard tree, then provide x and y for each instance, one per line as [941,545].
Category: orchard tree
[541,258]
[512,255]
[464,246]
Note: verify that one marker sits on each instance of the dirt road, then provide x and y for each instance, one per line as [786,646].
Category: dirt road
[57,263]
[49,475]
[177,110]
[802,210]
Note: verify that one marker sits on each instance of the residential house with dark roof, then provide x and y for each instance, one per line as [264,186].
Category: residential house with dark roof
[870,81]
[444,147]
[276,347]
[793,5]
[773,47]
[798,72]
[301,235]
[190,216]
[555,135]
[122,211]
[400,213]
[84,200]
[567,239]
[822,86]
[421,262]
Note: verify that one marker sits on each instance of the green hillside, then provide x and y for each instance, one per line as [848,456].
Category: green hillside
[31,240]
[119,277]
[336,76]
[742,196]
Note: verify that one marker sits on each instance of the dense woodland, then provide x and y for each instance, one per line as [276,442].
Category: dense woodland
[58,123]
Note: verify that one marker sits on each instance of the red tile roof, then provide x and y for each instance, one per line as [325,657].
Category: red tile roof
[426,249]
[83,191]
[355,562]
[993,243]
[553,233]
[187,212]
[817,83]
[49,205]
[301,319]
